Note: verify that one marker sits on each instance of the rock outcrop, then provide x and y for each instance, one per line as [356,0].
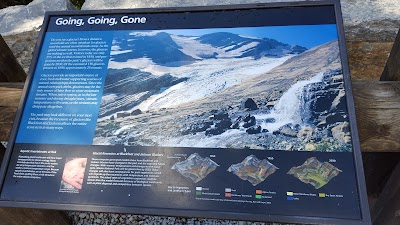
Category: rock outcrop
[21,18]
[249,104]
[126,88]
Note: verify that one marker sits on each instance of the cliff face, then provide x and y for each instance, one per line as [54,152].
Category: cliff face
[324,103]
[325,107]
[126,88]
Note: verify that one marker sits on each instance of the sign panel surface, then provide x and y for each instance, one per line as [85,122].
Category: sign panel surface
[236,113]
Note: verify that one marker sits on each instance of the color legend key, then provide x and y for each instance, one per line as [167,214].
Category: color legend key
[198,190]
[259,194]
[228,193]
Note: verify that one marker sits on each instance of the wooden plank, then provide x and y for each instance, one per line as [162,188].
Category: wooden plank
[386,210]
[378,115]
[10,95]
[17,85]
[367,58]
[392,68]
[378,167]
[18,216]
[9,99]
[377,107]
[10,70]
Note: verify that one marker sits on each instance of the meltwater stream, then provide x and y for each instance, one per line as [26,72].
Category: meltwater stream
[288,109]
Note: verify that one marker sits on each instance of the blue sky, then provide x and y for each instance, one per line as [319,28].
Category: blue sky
[305,35]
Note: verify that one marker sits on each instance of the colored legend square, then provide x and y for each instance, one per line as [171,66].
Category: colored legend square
[290,198]
[289,193]
[198,188]
[228,195]
[258,196]
[198,192]
[228,190]
[322,195]
[259,192]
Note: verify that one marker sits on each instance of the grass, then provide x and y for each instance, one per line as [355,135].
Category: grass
[317,178]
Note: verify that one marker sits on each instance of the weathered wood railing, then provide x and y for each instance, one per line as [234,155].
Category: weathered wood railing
[377,107]
[386,210]
[10,94]
[378,117]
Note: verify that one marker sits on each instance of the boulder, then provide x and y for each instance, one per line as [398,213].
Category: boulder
[220,127]
[254,130]
[123,4]
[249,104]
[287,131]
[20,18]
[247,118]
[249,121]
[197,127]
[310,147]
[214,131]
[223,124]
[305,133]
[219,115]
[236,123]
[341,133]
[131,140]
[122,114]
[136,112]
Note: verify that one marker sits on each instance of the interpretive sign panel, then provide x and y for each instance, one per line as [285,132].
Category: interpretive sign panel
[239,112]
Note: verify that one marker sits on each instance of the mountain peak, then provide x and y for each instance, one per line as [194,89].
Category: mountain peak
[177,50]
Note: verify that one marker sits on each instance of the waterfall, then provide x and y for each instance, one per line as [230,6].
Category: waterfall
[288,109]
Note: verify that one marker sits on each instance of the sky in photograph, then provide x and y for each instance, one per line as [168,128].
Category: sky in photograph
[304,35]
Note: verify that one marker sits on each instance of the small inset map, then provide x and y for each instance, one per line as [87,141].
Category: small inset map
[314,172]
[195,167]
[253,170]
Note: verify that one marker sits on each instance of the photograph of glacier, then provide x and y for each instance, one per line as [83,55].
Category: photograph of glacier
[269,88]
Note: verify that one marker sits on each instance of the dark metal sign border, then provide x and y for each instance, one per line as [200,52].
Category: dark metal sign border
[196,213]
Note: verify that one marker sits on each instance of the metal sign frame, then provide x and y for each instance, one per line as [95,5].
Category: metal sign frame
[196,213]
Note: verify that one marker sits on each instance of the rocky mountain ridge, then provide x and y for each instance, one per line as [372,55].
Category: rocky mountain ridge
[176,50]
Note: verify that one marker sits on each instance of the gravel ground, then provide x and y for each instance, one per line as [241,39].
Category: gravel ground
[81,218]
